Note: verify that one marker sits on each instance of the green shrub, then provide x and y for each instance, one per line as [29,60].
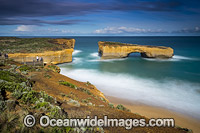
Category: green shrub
[102,99]
[88,83]
[85,90]
[56,112]
[2,63]
[84,101]
[24,72]
[52,67]
[63,95]
[89,98]
[47,76]
[111,105]
[46,97]
[121,107]
[12,77]
[67,84]
[26,68]
[30,97]
[42,104]
[17,93]
[12,86]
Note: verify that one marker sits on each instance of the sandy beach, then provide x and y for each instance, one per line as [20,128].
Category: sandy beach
[181,120]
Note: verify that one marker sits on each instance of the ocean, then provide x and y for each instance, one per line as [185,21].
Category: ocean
[173,83]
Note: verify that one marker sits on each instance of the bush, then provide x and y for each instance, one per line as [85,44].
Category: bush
[88,83]
[85,90]
[42,105]
[111,105]
[2,63]
[121,107]
[46,97]
[12,86]
[56,112]
[24,72]
[67,84]
[12,77]
[26,68]
[84,101]
[47,76]
[30,97]
[102,99]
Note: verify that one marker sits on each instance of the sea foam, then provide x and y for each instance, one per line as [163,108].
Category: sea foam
[95,54]
[174,58]
[76,52]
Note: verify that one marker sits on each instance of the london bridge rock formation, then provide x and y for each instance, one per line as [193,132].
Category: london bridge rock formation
[110,50]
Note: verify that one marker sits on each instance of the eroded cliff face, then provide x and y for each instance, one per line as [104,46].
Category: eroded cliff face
[109,50]
[54,57]
[69,42]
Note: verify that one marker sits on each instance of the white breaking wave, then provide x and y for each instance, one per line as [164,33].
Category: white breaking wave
[183,57]
[175,95]
[76,52]
[174,58]
[94,54]
[75,60]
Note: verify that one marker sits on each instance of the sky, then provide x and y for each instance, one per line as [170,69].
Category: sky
[99,18]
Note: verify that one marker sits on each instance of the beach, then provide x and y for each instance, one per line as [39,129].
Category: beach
[148,111]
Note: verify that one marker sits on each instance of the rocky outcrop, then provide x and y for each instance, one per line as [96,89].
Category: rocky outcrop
[110,50]
[54,57]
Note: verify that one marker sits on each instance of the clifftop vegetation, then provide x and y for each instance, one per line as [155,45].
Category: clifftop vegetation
[30,45]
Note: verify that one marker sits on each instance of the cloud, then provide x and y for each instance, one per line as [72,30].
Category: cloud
[120,30]
[61,31]
[23,11]
[24,28]
[26,21]
[189,30]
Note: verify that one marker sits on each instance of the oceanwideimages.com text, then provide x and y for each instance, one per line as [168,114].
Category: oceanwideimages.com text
[45,121]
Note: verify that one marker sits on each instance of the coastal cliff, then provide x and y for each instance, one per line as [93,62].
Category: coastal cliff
[53,51]
[109,50]
[54,57]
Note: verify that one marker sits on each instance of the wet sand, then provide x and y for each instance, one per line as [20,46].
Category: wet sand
[181,120]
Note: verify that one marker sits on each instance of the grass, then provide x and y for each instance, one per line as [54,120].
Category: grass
[29,45]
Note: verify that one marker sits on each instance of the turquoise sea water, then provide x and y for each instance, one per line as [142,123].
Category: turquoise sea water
[173,83]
